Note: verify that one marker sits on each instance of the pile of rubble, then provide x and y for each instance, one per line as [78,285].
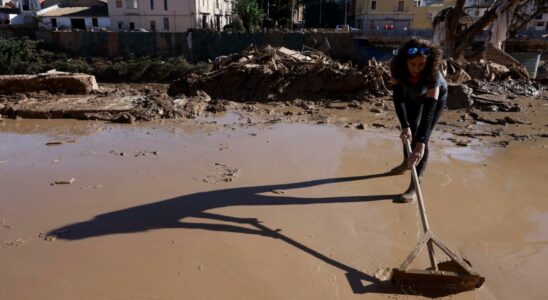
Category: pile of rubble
[282,74]
[495,73]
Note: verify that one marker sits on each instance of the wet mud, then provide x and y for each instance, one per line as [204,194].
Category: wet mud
[263,201]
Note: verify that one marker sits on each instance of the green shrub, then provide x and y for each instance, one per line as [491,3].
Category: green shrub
[20,56]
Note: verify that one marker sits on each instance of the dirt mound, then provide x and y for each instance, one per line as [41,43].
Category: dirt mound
[282,74]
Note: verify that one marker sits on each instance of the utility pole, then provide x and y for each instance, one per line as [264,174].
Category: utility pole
[320,14]
[345,11]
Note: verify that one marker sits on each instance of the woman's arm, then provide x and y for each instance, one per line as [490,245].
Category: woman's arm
[398,94]
[428,112]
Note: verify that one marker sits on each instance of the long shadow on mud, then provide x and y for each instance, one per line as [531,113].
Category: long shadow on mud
[172,212]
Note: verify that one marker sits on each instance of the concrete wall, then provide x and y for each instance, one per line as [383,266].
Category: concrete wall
[203,45]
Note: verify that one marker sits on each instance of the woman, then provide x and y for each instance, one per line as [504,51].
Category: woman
[420,93]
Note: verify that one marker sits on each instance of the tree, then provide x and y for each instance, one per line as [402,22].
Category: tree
[332,13]
[458,36]
[250,13]
[523,15]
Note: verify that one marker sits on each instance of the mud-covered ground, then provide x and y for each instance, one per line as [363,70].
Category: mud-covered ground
[495,118]
[283,200]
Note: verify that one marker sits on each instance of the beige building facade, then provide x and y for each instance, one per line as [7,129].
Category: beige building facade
[397,14]
[169,15]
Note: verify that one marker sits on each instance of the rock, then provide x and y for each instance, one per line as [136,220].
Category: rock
[337,105]
[459,96]
[355,104]
[376,110]
[360,126]
[124,118]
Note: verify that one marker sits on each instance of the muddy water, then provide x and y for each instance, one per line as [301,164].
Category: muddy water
[169,211]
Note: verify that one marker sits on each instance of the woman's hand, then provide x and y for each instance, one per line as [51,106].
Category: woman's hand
[405,135]
[416,156]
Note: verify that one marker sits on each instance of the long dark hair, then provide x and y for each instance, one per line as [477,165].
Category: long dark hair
[398,65]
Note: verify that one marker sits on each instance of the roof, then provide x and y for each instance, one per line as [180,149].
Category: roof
[83,11]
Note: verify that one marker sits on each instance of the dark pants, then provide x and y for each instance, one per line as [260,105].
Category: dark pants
[414,111]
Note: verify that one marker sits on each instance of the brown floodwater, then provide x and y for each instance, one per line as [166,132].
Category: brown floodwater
[217,209]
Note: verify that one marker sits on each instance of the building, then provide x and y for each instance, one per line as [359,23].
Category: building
[8,11]
[397,14]
[476,8]
[73,3]
[66,16]
[540,22]
[27,12]
[169,15]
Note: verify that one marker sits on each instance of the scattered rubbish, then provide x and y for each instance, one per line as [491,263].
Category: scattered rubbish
[58,143]
[223,174]
[59,182]
[460,142]
[16,243]
[87,187]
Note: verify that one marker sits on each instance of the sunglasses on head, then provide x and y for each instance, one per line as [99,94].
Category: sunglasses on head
[412,52]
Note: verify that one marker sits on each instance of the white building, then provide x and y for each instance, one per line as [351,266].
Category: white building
[8,11]
[80,17]
[27,11]
[169,15]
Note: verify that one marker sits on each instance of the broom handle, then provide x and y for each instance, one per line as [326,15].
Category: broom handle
[422,209]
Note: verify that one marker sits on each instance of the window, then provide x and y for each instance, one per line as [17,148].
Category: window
[166,24]
[165,4]
[401,5]
[218,23]
[217,4]
[540,24]
[131,25]
[94,22]
[152,25]
[120,25]
[54,22]
[118,3]
[151,4]
[373,4]
[131,4]
[204,21]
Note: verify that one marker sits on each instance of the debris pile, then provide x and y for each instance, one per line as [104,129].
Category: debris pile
[495,72]
[282,74]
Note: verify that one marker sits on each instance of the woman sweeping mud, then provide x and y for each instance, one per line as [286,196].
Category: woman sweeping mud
[420,93]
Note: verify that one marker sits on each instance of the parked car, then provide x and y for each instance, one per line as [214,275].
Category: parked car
[346,28]
[139,30]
